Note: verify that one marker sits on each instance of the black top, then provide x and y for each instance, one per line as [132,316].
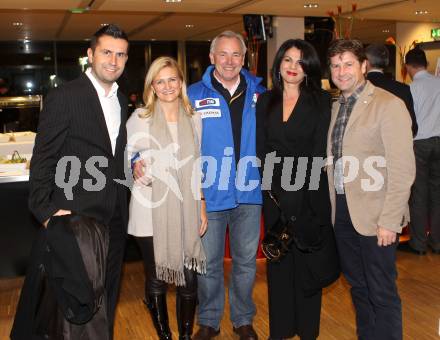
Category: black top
[236,107]
[399,89]
[304,134]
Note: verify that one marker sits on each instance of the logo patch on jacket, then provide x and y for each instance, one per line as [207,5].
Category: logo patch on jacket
[207,102]
[210,113]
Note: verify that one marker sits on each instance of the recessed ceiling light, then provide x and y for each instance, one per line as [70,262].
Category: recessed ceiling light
[102,25]
[422,12]
[189,26]
[173,0]
[17,23]
[311,5]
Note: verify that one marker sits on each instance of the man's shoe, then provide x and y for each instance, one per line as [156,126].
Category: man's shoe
[408,249]
[246,332]
[205,333]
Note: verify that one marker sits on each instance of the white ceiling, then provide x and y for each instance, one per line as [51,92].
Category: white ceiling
[156,19]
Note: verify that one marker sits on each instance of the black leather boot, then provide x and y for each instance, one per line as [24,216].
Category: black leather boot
[157,304]
[185,310]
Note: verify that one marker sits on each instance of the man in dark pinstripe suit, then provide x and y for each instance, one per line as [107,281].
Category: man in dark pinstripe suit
[78,155]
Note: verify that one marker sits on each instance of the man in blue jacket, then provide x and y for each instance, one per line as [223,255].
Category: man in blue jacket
[226,99]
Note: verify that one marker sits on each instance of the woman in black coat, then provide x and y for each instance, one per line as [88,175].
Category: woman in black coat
[292,121]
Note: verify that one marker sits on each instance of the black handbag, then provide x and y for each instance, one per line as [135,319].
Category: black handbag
[279,239]
[321,258]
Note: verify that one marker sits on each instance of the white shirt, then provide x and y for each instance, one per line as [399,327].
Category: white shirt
[425,90]
[110,106]
[233,88]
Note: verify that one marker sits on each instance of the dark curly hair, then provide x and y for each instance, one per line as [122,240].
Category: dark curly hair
[309,62]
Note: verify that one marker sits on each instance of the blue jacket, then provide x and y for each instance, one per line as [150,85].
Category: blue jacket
[225,187]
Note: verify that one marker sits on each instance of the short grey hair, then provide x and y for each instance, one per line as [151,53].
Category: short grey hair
[230,35]
[378,55]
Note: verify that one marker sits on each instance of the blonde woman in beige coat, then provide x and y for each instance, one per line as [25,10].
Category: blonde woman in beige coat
[167,215]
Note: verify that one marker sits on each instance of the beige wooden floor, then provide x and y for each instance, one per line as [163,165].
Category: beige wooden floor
[419,286]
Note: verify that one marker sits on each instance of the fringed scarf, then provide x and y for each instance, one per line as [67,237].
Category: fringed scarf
[176,221]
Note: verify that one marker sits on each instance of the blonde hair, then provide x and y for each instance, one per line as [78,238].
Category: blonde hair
[149,96]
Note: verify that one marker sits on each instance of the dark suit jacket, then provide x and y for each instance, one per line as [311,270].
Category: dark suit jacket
[72,124]
[399,89]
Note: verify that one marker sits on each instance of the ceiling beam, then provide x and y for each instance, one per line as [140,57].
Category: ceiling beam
[63,24]
[84,3]
[97,4]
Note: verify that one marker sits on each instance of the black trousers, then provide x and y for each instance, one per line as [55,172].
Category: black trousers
[154,286]
[425,195]
[115,258]
[371,272]
[291,311]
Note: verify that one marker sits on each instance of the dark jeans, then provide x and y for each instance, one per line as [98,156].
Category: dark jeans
[425,195]
[371,272]
[154,286]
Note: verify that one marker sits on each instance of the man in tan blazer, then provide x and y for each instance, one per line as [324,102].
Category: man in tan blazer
[371,170]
